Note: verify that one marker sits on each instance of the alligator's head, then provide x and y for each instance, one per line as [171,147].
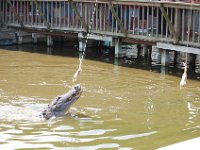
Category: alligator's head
[62,103]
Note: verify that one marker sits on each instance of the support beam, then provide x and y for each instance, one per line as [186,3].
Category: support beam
[96,37]
[123,30]
[155,54]
[79,15]
[81,44]
[38,35]
[164,57]
[197,61]
[117,47]
[82,41]
[179,48]
[20,40]
[171,27]
[143,50]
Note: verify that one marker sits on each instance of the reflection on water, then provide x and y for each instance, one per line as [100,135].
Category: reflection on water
[126,104]
[193,110]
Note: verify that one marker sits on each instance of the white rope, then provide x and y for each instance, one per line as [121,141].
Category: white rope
[90,28]
[184,75]
[188,36]
[78,71]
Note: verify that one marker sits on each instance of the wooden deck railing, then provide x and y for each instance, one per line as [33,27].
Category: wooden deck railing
[145,21]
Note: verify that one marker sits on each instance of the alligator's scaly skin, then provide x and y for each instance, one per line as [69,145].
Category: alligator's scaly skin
[62,103]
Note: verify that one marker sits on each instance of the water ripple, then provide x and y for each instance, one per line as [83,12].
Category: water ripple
[20,145]
[95,132]
[95,147]
[132,136]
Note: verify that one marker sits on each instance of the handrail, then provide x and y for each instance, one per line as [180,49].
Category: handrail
[153,21]
[133,2]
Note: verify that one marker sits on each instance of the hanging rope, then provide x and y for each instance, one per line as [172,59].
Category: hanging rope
[188,36]
[184,75]
[78,71]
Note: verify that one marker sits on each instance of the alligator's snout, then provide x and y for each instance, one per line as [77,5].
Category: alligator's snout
[62,103]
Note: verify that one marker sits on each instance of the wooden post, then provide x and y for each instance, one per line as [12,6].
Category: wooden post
[49,40]
[82,41]
[164,57]
[143,50]
[117,47]
[19,38]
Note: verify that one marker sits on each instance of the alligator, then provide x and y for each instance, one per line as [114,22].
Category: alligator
[61,104]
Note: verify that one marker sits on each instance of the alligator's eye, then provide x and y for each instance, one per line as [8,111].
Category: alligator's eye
[77,88]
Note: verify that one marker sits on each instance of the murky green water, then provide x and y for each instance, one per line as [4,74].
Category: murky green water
[121,108]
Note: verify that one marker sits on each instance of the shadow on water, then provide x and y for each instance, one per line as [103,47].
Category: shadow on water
[103,54]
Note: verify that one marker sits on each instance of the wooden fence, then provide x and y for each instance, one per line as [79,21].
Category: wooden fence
[144,21]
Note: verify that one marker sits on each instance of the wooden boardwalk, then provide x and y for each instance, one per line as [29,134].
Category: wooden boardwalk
[118,21]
